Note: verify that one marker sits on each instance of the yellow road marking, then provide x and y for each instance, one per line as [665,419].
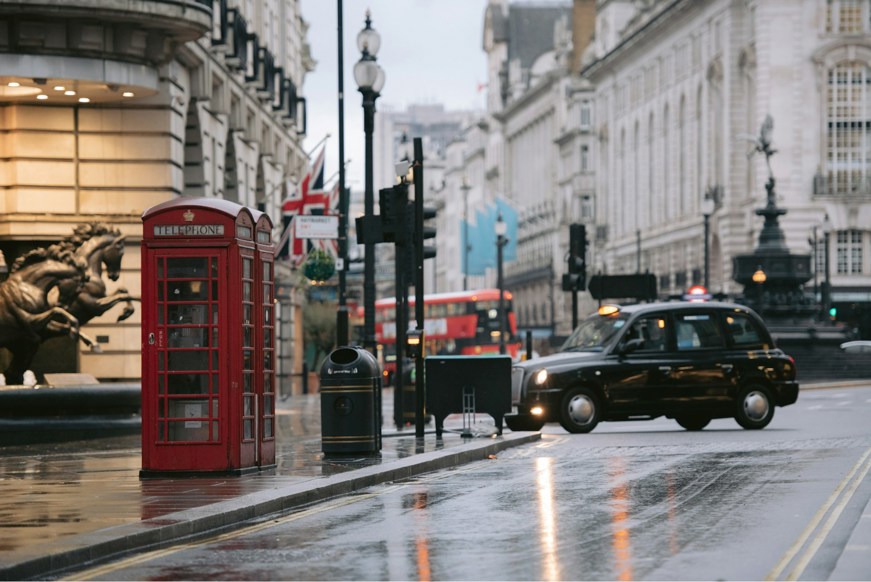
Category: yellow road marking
[849,484]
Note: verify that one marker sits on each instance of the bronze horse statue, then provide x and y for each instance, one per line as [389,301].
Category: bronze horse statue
[98,245]
[25,310]
[53,292]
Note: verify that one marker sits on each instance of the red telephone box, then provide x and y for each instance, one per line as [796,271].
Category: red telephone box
[208,364]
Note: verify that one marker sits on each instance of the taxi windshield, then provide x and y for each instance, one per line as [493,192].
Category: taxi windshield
[594,333]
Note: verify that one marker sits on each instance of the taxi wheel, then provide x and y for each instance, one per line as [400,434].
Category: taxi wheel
[580,410]
[754,407]
[693,422]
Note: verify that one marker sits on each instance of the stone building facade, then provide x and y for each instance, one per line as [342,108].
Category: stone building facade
[637,119]
[681,94]
[111,107]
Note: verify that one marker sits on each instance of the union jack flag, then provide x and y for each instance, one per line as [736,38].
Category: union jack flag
[309,198]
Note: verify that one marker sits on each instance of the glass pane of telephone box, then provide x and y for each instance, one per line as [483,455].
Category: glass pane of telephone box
[248,429]
[188,360]
[186,267]
[267,428]
[188,383]
[247,336]
[246,291]
[188,337]
[187,290]
[195,314]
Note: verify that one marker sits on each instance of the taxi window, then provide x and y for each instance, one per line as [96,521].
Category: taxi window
[696,331]
[743,330]
[652,331]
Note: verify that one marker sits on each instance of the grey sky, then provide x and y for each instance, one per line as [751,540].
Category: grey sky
[430,52]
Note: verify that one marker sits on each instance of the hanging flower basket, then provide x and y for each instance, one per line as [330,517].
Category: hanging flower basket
[319,266]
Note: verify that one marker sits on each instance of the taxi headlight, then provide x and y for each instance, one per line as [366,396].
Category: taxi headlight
[540,377]
[536,411]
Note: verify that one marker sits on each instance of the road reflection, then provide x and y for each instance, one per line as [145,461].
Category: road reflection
[547,519]
[424,569]
[621,544]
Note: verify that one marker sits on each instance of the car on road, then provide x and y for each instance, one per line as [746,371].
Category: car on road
[690,361]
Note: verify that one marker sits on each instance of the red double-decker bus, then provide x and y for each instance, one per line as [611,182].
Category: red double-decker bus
[460,323]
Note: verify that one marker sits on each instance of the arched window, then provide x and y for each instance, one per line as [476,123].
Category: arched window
[848,129]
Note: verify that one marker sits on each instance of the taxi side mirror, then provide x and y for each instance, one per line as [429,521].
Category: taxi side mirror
[630,346]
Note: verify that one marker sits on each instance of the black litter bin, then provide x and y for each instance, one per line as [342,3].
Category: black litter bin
[350,402]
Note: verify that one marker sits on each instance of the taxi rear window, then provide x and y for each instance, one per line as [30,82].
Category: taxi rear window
[743,330]
[695,331]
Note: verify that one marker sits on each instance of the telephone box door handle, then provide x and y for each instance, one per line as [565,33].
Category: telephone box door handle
[151,339]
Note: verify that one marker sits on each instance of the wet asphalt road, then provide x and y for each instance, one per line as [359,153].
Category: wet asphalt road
[630,501]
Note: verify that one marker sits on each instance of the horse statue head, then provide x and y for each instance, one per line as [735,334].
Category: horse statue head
[100,245]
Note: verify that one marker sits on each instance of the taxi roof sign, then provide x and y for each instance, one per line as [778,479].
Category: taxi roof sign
[697,293]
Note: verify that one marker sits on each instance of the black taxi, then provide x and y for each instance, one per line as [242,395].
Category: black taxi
[690,361]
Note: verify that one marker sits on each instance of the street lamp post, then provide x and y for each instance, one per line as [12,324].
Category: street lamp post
[759,277]
[466,246]
[501,241]
[370,80]
[707,211]
[342,323]
[827,274]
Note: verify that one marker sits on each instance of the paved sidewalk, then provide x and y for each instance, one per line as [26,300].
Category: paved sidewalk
[69,505]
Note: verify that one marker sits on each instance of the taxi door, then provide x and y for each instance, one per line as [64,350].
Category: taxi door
[637,381]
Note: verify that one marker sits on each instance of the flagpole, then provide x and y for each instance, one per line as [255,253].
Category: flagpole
[342,331]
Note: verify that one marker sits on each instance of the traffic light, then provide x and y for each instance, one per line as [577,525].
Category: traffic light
[429,231]
[576,279]
[833,312]
[387,208]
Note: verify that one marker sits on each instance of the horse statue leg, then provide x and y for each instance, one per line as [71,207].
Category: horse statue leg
[121,295]
[22,356]
[74,332]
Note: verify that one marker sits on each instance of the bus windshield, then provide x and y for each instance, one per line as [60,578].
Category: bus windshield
[594,333]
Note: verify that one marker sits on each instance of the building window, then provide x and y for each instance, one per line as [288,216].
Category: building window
[587,207]
[586,115]
[849,250]
[848,16]
[848,155]
[585,158]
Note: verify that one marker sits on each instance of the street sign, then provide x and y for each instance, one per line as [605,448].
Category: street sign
[316,226]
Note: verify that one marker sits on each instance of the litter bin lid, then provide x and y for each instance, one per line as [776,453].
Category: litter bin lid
[350,362]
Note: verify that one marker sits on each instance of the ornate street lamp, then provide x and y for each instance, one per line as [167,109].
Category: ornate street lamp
[759,277]
[707,211]
[370,80]
[827,273]
[501,241]
[466,246]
